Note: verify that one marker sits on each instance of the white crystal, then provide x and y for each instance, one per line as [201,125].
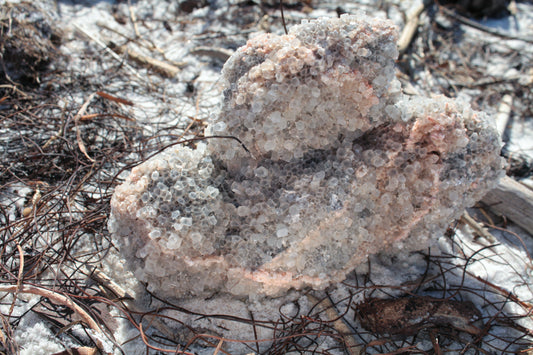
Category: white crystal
[335,165]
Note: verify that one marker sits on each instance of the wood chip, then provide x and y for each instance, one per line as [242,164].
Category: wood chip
[512,200]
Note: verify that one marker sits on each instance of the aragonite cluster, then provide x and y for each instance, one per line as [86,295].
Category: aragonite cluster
[338,165]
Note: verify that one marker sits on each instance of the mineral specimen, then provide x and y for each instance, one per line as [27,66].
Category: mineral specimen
[339,165]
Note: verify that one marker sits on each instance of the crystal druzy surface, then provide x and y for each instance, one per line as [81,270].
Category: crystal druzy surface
[340,165]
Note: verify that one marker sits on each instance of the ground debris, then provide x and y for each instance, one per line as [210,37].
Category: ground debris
[28,43]
[479,9]
[408,315]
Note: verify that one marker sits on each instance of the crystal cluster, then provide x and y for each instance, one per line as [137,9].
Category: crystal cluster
[338,165]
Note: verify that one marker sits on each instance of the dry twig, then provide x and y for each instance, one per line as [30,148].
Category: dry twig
[58,298]
[410,27]
[163,68]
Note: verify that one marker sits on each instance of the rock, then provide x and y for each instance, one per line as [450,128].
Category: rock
[338,165]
